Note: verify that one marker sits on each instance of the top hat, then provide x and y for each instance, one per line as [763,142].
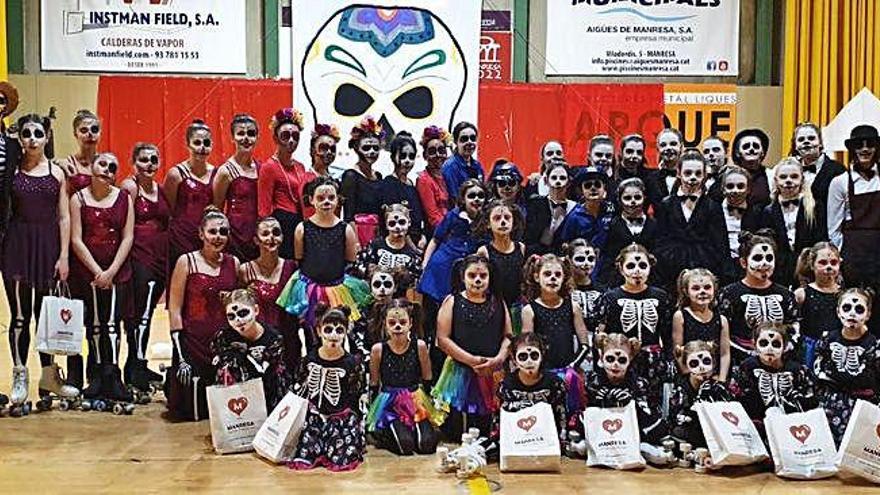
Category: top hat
[862,133]
[761,135]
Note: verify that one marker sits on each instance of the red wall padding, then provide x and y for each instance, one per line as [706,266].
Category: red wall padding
[514,119]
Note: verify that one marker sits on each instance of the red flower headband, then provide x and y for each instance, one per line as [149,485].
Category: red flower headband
[325,130]
[367,126]
[286,115]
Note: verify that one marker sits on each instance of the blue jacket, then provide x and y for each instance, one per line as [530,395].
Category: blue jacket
[455,171]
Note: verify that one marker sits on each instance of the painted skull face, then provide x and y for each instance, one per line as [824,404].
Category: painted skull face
[853,311]
[501,220]
[476,278]
[287,136]
[474,199]
[200,143]
[325,198]
[807,142]
[245,136]
[751,150]
[88,132]
[770,344]
[397,322]
[632,201]
[865,153]
[736,188]
[332,334]
[691,175]
[240,316]
[466,142]
[33,137]
[761,262]
[397,223]
[105,167]
[269,235]
[552,153]
[405,159]
[827,264]
[550,277]
[789,180]
[593,188]
[701,290]
[557,178]
[435,153]
[713,150]
[400,63]
[382,286]
[669,146]
[325,150]
[700,364]
[633,154]
[215,233]
[147,162]
[506,186]
[635,268]
[615,361]
[368,149]
[528,359]
[602,155]
[584,259]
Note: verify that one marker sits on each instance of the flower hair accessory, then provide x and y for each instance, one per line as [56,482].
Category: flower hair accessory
[325,130]
[367,126]
[286,115]
[434,132]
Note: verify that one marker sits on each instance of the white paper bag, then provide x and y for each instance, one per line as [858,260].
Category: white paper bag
[801,444]
[730,435]
[529,440]
[279,436]
[860,448]
[612,436]
[236,412]
[60,328]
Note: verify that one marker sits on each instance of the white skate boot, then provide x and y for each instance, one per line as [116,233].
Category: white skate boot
[52,382]
[19,393]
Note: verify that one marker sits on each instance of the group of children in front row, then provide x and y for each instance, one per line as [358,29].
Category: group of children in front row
[571,345]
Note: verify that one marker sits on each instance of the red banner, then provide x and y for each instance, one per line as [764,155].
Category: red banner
[496,57]
[515,119]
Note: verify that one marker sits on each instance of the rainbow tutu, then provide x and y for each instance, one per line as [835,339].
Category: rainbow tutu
[459,388]
[301,296]
[575,391]
[404,405]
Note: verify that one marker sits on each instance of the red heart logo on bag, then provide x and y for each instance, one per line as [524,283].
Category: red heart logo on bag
[732,418]
[283,413]
[801,432]
[612,426]
[237,405]
[66,315]
[527,423]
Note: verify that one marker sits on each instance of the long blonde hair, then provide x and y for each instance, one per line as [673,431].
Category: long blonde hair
[808,200]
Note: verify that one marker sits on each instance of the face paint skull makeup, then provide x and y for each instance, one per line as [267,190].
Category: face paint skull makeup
[633,155]
[269,236]
[602,155]
[333,334]
[528,359]
[558,178]
[200,143]
[550,277]
[240,316]
[632,201]
[397,322]
[501,220]
[406,159]
[789,181]
[807,143]
[584,259]
[33,137]
[736,189]
[593,189]
[670,148]
[691,174]
[853,311]
[400,61]
[701,291]
[770,345]
[325,198]
[382,286]
[827,264]
[325,150]
[615,361]
[635,269]
[552,153]
[761,262]
[88,132]
[466,144]
[751,150]
[245,136]
[368,149]
[147,162]
[700,363]
[397,224]
[215,234]
[474,199]
[476,279]
[713,151]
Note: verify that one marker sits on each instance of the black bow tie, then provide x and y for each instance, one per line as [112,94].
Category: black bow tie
[737,209]
[562,205]
[790,202]
[635,221]
[685,197]
[867,174]
[809,168]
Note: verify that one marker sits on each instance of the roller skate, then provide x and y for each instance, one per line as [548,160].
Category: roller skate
[698,458]
[19,405]
[659,456]
[53,388]
[466,461]
[118,398]
[576,447]
[4,401]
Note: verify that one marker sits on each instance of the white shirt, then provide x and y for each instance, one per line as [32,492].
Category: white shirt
[790,218]
[734,228]
[838,201]
[635,225]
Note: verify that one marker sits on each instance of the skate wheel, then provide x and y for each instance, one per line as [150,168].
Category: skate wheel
[129,409]
[118,409]
[44,405]
[26,409]
[99,406]
[64,405]
[15,411]
[86,405]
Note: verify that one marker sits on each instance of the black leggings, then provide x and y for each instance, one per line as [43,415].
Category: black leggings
[403,440]
[147,289]
[102,321]
[458,422]
[24,305]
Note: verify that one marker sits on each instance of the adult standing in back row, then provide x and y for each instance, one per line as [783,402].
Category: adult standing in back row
[462,165]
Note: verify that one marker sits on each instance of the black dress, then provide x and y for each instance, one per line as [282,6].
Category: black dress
[478,327]
[557,327]
[509,271]
[700,242]
[394,191]
[361,195]
[695,329]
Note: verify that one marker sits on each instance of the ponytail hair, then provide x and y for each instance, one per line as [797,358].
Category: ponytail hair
[804,271]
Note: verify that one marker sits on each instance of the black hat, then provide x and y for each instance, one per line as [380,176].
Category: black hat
[761,135]
[582,174]
[862,133]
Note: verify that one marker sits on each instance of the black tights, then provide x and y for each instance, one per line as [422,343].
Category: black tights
[147,290]
[458,422]
[102,321]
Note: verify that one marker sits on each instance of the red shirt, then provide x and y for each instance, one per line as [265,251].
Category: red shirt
[434,197]
[279,188]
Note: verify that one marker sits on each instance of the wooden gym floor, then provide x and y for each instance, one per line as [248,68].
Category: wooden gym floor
[77,452]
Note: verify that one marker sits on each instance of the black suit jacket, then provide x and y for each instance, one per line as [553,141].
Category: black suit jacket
[751,221]
[700,242]
[619,237]
[806,235]
[830,169]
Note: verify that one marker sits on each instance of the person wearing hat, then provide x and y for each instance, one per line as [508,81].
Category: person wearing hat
[819,168]
[750,147]
[591,218]
[505,183]
[854,210]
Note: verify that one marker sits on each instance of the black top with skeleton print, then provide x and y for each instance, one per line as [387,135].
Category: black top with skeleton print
[515,395]
[746,308]
[379,253]
[646,315]
[588,298]
[331,386]
[238,360]
[759,387]
[844,364]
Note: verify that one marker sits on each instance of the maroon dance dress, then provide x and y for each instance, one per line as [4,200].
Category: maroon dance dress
[150,247]
[273,314]
[241,209]
[193,196]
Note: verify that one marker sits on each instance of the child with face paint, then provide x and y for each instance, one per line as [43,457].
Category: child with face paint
[670,145]
[322,146]
[331,380]
[235,187]
[818,269]
[794,218]
[756,299]
[527,383]
[590,219]
[502,222]
[552,314]
[643,312]
[547,214]
[188,189]
[818,167]
[697,383]
[631,225]
[739,217]
[265,277]
[78,166]
[750,148]
[505,183]
[473,329]
[385,285]
[714,148]
[697,319]
[463,164]
[101,235]
[193,301]
[361,185]
[430,184]
[583,256]
[536,183]
[281,179]
[771,377]
[848,361]
[149,261]
[393,249]
[324,246]
[690,226]
[248,348]
[402,415]
[35,250]
[614,383]
[398,188]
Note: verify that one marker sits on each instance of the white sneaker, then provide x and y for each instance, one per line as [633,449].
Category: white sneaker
[51,380]
[19,392]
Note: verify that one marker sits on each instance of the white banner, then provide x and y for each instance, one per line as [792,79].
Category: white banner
[177,36]
[627,38]
[408,64]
